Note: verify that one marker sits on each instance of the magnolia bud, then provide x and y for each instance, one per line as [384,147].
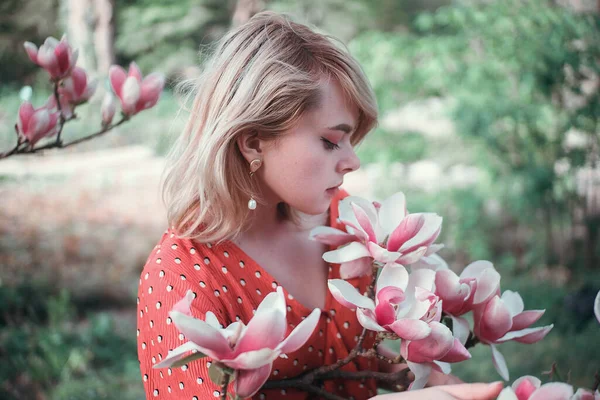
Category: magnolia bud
[109,107]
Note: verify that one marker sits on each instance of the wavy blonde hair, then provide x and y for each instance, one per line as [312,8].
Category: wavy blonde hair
[262,77]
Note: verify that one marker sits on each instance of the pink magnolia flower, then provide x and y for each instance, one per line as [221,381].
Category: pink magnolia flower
[66,107]
[55,57]
[530,388]
[108,109]
[249,350]
[586,394]
[36,123]
[476,285]
[384,233]
[435,351]
[597,306]
[76,88]
[403,305]
[502,319]
[135,94]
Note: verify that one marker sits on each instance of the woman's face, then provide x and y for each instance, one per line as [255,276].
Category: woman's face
[305,167]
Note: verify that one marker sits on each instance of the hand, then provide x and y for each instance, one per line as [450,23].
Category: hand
[464,391]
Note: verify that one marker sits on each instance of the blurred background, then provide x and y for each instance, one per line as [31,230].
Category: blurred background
[489,116]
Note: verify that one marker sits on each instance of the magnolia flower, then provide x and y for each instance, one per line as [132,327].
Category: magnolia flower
[530,388]
[433,262]
[76,88]
[55,57]
[433,352]
[403,305]
[34,124]
[108,109]
[249,350]
[476,285]
[597,306]
[502,319]
[586,394]
[135,94]
[384,233]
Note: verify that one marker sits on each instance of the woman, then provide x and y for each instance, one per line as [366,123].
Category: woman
[270,138]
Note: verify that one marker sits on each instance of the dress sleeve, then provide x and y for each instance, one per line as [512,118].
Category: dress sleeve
[172,269]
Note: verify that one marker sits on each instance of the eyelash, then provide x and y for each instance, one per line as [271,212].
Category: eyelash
[329,145]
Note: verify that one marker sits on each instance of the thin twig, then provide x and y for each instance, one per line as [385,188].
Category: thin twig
[55,144]
[224,384]
[60,114]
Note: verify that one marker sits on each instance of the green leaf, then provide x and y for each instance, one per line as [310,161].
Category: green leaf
[185,360]
[216,374]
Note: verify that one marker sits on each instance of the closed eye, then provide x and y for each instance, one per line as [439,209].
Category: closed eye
[329,145]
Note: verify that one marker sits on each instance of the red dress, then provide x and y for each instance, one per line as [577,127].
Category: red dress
[231,285]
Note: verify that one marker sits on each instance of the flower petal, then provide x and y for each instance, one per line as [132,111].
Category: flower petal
[513,302]
[207,338]
[331,236]
[248,382]
[394,275]
[365,222]
[488,284]
[349,252]
[499,363]
[553,391]
[348,295]
[526,319]
[252,359]
[525,386]
[507,394]
[301,333]
[268,325]
[457,353]
[428,229]
[382,255]
[366,318]
[433,262]
[460,328]
[597,306]
[392,212]
[528,336]
[183,306]
[177,354]
[495,320]
[355,268]
[410,329]
[422,372]
[117,76]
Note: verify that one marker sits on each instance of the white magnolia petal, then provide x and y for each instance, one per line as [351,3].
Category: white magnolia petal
[513,301]
[212,320]
[445,367]
[301,333]
[349,252]
[345,293]
[433,262]
[330,236]
[422,372]
[392,212]
[553,391]
[540,331]
[202,334]
[423,278]
[432,224]
[507,394]
[499,363]
[252,359]
[461,329]
[392,274]
[475,269]
[177,354]
[366,320]
[248,382]
[597,306]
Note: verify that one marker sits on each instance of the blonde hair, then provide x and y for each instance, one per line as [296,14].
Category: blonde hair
[263,76]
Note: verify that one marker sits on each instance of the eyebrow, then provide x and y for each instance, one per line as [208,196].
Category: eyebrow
[341,127]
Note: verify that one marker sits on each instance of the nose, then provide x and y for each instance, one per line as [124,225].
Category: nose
[349,163]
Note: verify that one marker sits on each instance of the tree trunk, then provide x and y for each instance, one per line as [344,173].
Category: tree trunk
[244,10]
[104,32]
[79,24]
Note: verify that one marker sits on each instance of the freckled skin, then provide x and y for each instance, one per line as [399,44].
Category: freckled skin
[299,168]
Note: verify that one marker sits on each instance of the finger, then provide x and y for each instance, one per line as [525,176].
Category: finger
[474,391]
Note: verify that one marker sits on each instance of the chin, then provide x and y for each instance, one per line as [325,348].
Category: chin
[316,208]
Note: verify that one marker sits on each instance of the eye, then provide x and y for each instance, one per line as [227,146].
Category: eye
[329,145]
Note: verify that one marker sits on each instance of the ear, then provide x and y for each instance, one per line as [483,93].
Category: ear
[250,146]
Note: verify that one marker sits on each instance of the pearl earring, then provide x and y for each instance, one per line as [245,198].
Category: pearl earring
[254,166]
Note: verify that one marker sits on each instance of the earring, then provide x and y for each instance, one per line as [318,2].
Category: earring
[254,166]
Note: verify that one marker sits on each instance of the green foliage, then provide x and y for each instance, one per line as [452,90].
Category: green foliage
[43,342]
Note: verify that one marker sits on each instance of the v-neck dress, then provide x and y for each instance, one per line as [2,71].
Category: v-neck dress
[229,283]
